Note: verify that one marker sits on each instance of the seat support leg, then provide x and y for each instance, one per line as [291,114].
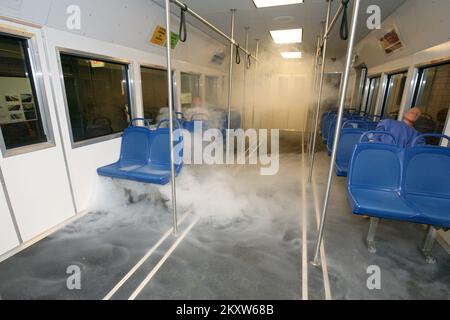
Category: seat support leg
[370,241]
[428,245]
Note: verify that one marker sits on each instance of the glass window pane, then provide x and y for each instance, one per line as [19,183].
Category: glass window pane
[433,98]
[213,95]
[395,87]
[97,96]
[190,90]
[373,95]
[154,92]
[20,116]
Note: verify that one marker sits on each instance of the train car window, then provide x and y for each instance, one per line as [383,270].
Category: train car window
[372,96]
[432,96]
[190,90]
[394,94]
[154,92]
[98,96]
[212,91]
[20,115]
[361,77]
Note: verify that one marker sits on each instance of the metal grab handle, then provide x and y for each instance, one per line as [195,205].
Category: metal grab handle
[433,135]
[198,114]
[366,135]
[356,122]
[146,121]
[167,120]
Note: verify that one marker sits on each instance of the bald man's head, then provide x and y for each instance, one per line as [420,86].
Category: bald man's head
[412,116]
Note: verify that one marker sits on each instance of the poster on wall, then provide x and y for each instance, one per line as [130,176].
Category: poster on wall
[390,41]
[17,108]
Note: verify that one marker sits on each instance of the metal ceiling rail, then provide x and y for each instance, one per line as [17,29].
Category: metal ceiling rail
[211,26]
[335,19]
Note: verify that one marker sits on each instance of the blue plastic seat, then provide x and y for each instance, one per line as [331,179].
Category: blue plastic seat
[349,139]
[374,182]
[328,120]
[426,183]
[190,125]
[145,155]
[386,181]
[332,133]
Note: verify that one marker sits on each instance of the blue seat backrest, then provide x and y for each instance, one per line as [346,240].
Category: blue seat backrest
[135,146]
[349,139]
[160,147]
[427,171]
[371,125]
[332,132]
[376,166]
[326,125]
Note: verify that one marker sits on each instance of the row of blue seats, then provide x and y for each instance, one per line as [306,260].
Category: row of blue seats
[328,118]
[411,185]
[145,154]
[390,182]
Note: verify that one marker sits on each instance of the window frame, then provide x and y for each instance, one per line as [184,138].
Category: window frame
[370,91]
[131,89]
[161,68]
[191,73]
[388,88]
[31,51]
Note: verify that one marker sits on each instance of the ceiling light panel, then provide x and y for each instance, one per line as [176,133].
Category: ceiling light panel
[275,3]
[287,36]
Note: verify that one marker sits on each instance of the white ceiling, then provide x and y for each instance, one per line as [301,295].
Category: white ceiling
[308,16]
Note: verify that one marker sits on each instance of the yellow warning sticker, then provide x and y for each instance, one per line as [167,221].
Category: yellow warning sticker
[159,36]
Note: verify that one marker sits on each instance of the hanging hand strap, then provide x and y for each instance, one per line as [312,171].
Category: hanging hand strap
[238,55]
[344,24]
[183,29]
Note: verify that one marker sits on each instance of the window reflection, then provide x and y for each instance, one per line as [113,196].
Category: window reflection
[97,96]
[393,100]
[20,116]
[433,98]
[154,92]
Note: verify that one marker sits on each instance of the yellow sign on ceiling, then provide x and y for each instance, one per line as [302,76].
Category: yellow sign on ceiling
[159,36]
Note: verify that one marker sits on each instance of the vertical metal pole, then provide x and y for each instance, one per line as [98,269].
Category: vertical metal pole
[311,108]
[255,76]
[244,115]
[230,79]
[170,90]
[351,43]
[319,99]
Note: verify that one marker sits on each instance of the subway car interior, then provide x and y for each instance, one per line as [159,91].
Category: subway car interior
[246,150]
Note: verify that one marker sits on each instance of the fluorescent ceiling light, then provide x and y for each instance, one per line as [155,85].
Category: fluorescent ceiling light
[274,3]
[292,55]
[287,36]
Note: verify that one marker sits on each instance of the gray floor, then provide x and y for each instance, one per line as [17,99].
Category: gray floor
[247,243]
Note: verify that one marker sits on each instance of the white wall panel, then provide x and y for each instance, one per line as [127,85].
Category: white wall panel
[37,181]
[8,237]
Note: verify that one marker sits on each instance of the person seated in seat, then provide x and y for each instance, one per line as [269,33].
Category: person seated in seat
[403,131]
